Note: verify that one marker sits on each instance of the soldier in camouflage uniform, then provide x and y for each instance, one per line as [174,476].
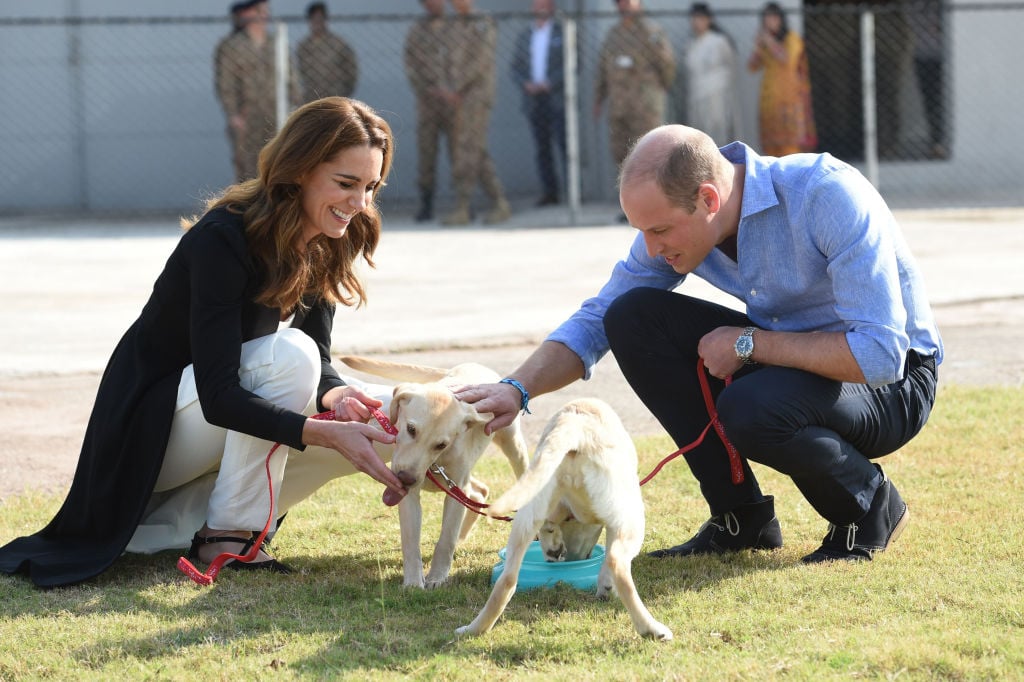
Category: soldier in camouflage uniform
[426,50]
[327,65]
[235,13]
[635,71]
[246,87]
[472,41]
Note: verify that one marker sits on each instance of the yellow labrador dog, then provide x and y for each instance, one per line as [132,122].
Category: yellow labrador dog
[437,429]
[582,478]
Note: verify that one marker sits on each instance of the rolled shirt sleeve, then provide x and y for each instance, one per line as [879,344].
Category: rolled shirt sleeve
[583,333]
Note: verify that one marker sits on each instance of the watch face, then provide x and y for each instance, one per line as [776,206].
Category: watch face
[744,346]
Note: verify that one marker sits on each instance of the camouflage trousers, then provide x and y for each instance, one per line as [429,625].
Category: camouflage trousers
[472,162]
[246,144]
[625,128]
[434,118]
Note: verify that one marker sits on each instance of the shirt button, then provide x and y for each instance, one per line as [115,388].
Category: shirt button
[753,292]
[775,319]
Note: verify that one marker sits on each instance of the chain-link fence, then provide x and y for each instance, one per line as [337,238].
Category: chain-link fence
[131,114]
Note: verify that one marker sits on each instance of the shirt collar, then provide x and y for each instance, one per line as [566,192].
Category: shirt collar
[758,188]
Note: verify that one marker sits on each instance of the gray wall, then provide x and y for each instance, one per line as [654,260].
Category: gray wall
[108,116]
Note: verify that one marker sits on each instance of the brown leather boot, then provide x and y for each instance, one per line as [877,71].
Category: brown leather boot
[459,216]
[500,213]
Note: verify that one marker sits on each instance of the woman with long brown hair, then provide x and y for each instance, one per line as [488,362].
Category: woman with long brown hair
[231,354]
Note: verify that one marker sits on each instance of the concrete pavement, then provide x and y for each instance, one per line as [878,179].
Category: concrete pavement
[68,290]
[438,297]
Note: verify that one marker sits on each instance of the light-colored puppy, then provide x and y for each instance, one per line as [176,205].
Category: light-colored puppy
[435,428]
[582,477]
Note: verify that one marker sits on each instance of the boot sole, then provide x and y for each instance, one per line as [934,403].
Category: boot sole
[898,530]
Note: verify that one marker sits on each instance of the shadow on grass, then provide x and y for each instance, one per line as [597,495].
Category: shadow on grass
[351,607]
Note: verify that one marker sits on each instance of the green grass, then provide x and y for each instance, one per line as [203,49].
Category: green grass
[944,603]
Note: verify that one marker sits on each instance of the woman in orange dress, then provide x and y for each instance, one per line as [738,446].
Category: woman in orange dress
[786,119]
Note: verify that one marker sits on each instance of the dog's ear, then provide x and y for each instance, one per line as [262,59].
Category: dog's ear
[397,396]
[473,418]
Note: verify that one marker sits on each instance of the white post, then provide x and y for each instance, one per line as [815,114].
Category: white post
[867,68]
[281,72]
[572,127]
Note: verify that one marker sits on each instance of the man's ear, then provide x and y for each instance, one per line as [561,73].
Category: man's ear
[709,198]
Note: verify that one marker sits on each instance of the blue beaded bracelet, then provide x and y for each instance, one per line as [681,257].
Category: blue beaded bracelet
[524,404]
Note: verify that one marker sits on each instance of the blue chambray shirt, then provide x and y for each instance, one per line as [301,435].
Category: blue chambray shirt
[819,250]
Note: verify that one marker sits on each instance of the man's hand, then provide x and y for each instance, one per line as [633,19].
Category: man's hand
[717,349]
[503,400]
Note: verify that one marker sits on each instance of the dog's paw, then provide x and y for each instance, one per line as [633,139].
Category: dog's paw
[499,512]
[464,631]
[431,584]
[657,631]
[418,584]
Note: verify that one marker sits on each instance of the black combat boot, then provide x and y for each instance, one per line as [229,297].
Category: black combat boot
[749,526]
[870,534]
[426,211]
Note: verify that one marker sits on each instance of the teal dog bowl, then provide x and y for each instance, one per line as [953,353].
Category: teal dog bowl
[538,573]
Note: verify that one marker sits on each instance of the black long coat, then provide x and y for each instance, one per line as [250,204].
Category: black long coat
[200,312]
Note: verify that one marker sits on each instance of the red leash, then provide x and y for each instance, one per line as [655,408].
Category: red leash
[735,463]
[454,491]
[450,488]
[207,578]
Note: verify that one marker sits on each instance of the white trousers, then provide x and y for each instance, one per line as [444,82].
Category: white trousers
[218,476]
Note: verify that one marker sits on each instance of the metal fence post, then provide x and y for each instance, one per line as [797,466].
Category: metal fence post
[867,69]
[572,127]
[281,72]
[78,112]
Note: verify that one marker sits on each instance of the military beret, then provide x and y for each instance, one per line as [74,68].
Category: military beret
[246,4]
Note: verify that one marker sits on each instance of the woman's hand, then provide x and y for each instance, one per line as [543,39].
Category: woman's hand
[350,404]
[354,441]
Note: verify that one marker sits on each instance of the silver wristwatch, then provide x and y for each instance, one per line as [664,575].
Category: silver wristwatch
[745,346]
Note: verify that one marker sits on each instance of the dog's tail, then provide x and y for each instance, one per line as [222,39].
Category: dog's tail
[562,437]
[399,371]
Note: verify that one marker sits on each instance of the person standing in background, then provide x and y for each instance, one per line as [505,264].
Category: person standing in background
[425,56]
[785,114]
[235,13]
[636,68]
[712,104]
[327,65]
[537,67]
[472,42]
[246,86]
[894,65]
[929,53]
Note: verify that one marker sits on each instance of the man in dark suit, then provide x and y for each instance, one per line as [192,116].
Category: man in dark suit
[537,68]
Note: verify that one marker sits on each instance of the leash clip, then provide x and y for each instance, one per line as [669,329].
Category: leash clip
[439,471]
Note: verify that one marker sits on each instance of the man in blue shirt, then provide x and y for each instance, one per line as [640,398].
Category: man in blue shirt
[834,361]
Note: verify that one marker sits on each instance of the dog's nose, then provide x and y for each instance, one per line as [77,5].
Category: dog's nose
[555,554]
[406,478]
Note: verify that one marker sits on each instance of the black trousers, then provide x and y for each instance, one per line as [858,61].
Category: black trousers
[820,432]
[547,123]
